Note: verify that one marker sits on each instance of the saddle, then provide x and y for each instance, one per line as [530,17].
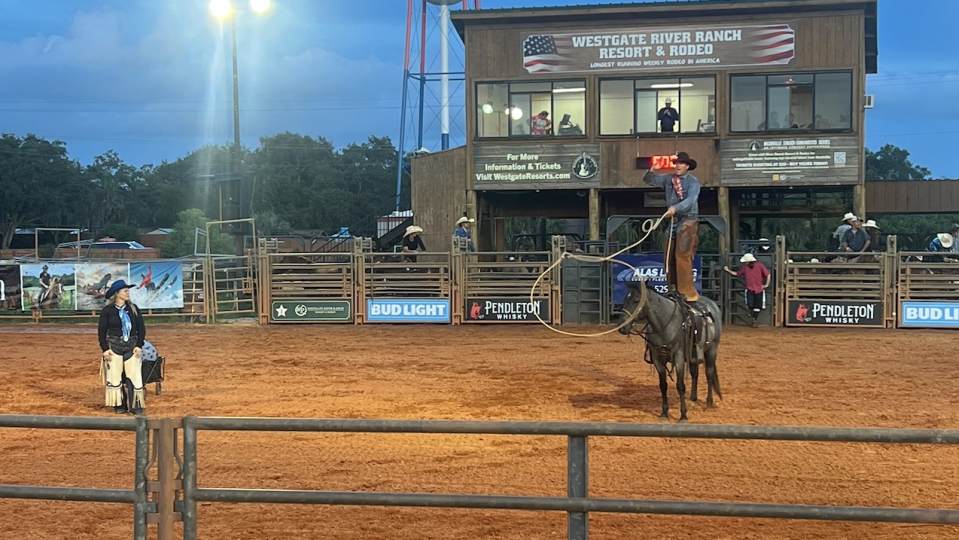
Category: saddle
[698,324]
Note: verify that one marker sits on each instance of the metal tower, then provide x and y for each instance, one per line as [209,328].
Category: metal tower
[423,19]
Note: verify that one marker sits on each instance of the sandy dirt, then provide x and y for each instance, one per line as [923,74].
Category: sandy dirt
[874,378]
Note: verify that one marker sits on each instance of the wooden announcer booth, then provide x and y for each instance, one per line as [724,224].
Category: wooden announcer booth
[768,98]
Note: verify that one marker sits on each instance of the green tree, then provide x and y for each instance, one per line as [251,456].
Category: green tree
[181,240]
[892,163]
[39,183]
[123,232]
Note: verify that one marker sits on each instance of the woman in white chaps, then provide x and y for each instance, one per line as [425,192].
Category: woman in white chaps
[122,333]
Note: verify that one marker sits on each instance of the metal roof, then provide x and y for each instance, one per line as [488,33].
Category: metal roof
[653,3]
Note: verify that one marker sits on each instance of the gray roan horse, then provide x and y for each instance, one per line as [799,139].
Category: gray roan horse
[668,341]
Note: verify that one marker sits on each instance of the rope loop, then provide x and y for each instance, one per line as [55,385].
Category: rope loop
[648,227]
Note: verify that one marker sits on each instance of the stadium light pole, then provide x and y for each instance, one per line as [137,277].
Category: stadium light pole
[223,9]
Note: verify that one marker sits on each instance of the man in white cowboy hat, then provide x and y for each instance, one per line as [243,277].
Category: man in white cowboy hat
[463,230]
[667,116]
[682,196]
[872,229]
[412,242]
[841,230]
[945,243]
[757,278]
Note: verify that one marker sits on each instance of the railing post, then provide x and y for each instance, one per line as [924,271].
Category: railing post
[556,279]
[578,480]
[167,488]
[890,272]
[142,459]
[189,479]
[779,287]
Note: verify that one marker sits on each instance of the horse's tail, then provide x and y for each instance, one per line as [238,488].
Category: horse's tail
[715,383]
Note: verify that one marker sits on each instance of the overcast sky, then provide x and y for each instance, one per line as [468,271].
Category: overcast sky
[151,79]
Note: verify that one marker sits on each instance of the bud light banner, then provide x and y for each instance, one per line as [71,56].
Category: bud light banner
[650,267]
[834,313]
[929,314]
[419,311]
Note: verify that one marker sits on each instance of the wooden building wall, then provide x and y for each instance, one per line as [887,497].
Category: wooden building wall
[824,40]
[929,197]
[439,195]
[828,40]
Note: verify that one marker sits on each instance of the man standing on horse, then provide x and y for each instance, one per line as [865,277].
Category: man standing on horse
[682,196]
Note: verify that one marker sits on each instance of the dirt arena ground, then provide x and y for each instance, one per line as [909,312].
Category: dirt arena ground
[796,377]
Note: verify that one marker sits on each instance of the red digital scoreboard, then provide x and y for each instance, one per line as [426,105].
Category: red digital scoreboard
[656,162]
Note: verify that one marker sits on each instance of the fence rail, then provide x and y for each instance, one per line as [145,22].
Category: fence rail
[341,287]
[166,509]
[136,496]
[577,504]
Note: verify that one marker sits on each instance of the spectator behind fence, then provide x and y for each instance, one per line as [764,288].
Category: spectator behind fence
[841,230]
[463,231]
[855,240]
[872,229]
[944,243]
[412,243]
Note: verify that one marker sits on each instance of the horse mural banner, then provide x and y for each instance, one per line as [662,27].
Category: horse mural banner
[10,298]
[651,268]
[93,280]
[48,287]
[157,284]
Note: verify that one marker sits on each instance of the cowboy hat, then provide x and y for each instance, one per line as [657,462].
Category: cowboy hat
[465,219]
[945,239]
[683,157]
[954,228]
[871,224]
[116,287]
[747,258]
[848,216]
[412,229]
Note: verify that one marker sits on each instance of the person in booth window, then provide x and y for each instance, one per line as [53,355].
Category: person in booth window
[540,124]
[668,116]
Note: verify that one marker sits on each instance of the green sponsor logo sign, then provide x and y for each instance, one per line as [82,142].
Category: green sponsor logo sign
[312,310]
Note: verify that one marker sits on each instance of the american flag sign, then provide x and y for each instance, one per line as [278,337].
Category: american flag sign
[658,48]
[773,44]
[545,53]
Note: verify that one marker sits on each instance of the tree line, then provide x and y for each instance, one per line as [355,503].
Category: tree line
[300,182]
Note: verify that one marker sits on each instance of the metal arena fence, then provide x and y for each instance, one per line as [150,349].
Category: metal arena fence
[175,495]
[871,290]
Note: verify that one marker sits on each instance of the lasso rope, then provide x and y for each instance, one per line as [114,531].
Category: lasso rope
[648,227]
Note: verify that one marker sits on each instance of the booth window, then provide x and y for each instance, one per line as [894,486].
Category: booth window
[637,106]
[817,101]
[533,109]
